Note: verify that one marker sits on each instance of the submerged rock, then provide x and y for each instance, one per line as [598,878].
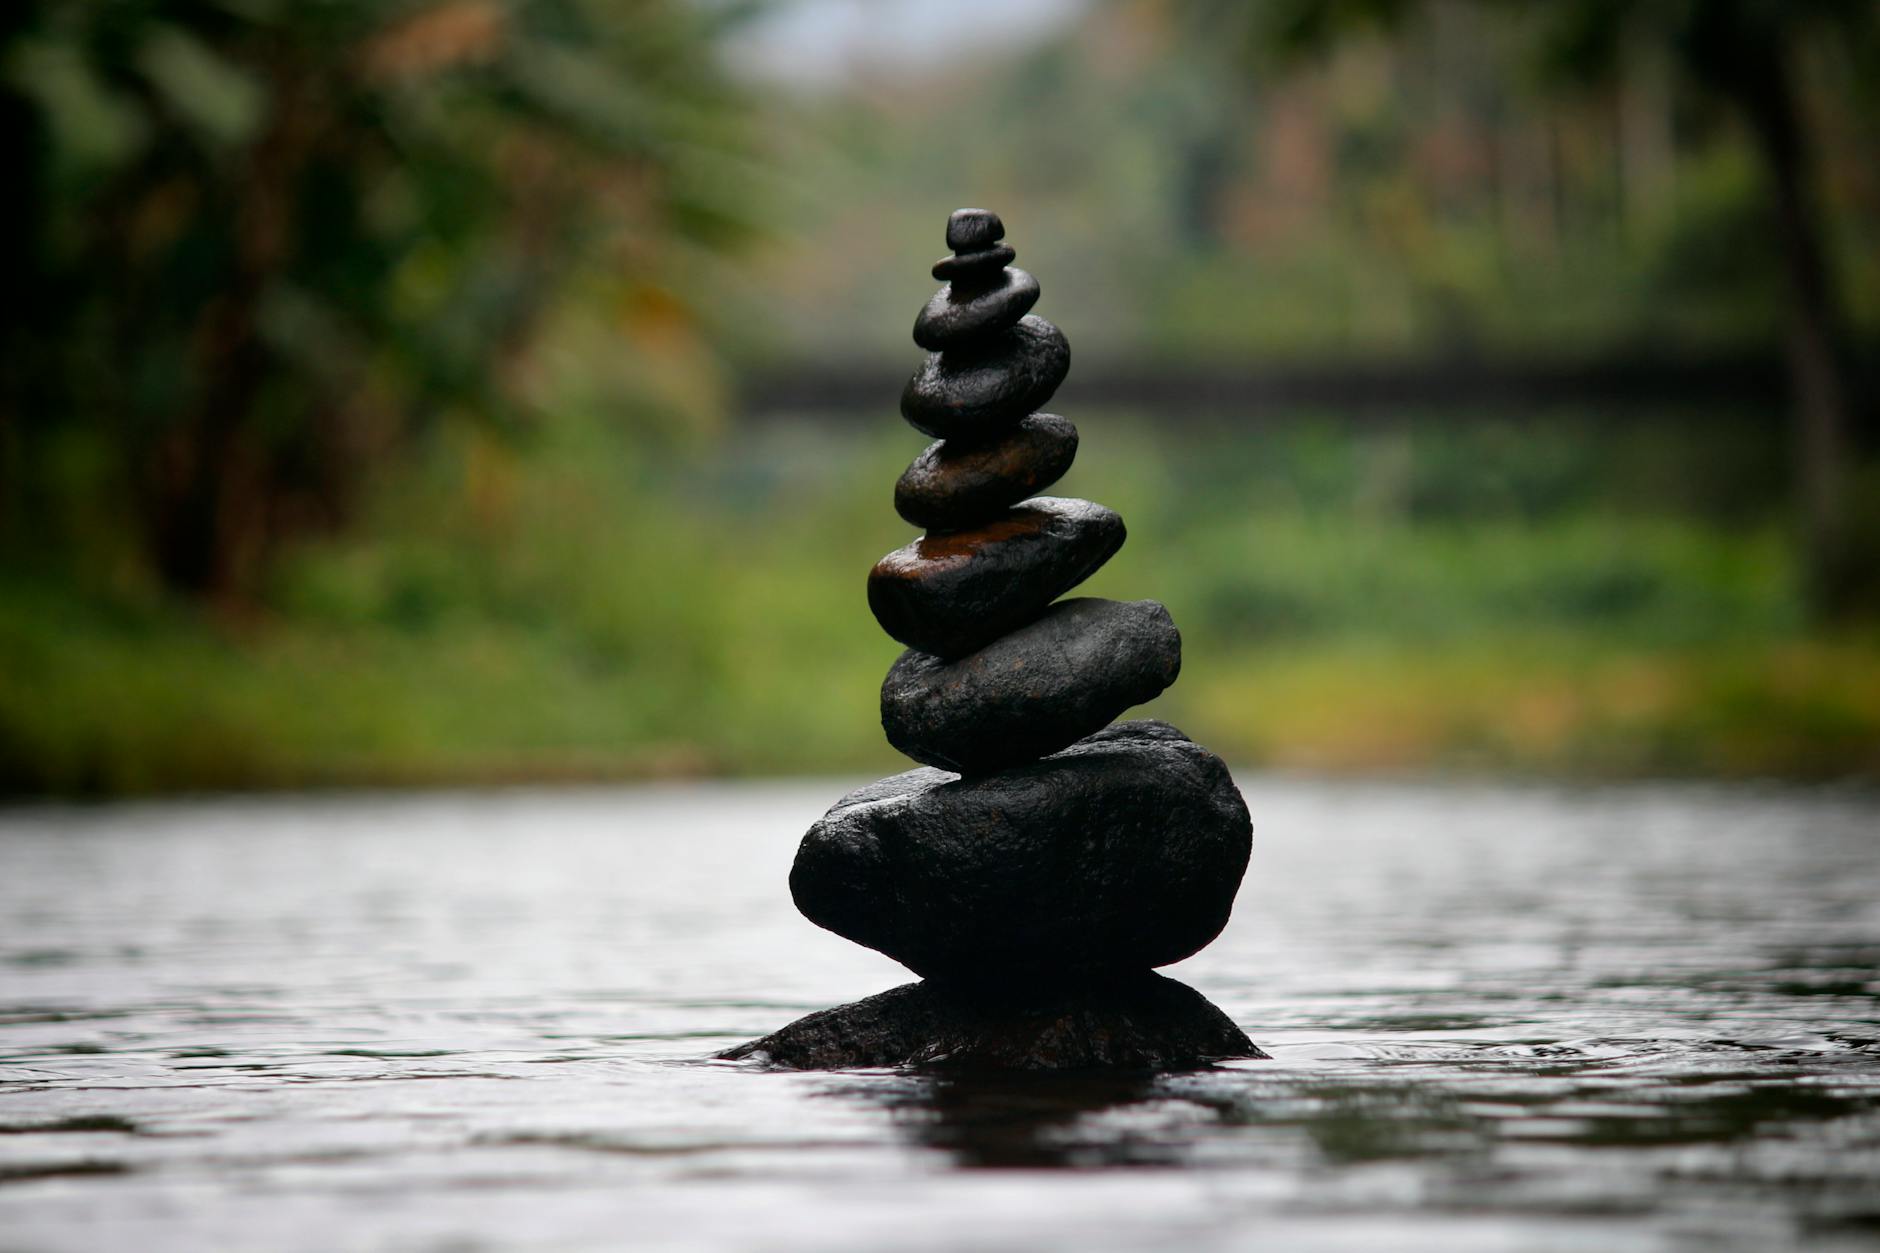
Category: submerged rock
[979,389]
[956,484]
[1121,853]
[1143,1022]
[952,593]
[1034,691]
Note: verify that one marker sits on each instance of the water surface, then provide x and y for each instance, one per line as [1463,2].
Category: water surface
[1630,1018]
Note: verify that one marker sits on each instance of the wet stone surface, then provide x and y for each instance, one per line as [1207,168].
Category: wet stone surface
[971,230]
[950,594]
[970,267]
[1119,854]
[1143,1023]
[983,388]
[956,484]
[1034,691]
[956,316]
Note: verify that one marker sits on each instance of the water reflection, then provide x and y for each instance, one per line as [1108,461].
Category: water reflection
[1093,1121]
[1499,1018]
[1464,1107]
[1027,1120]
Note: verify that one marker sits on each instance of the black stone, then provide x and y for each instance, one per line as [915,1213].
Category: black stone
[974,266]
[950,594]
[969,230]
[1143,1022]
[1034,691]
[957,484]
[1121,853]
[955,316]
[979,389]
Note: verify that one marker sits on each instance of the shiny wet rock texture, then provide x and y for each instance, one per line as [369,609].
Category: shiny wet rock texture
[952,593]
[982,388]
[970,230]
[1145,1022]
[971,267]
[955,484]
[1121,853]
[1037,849]
[957,315]
[1034,691]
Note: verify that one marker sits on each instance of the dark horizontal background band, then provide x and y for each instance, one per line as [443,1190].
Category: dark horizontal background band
[1752,380]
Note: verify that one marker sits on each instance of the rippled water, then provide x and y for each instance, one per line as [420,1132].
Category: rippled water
[1640,1018]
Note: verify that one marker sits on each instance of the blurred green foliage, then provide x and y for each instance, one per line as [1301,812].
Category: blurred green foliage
[1486,596]
[1742,56]
[1432,187]
[364,414]
[256,245]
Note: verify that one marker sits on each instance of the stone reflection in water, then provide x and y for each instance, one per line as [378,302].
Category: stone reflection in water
[1038,886]
[1352,1126]
[989,1120]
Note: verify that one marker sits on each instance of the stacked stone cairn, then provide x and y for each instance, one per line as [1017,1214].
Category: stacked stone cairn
[1042,863]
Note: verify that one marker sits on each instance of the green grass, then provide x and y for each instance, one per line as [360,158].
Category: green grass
[581,608]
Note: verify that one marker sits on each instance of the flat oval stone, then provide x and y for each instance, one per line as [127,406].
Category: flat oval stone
[974,265]
[955,484]
[979,389]
[1141,1022]
[952,594]
[969,230]
[955,316]
[1039,689]
[1121,853]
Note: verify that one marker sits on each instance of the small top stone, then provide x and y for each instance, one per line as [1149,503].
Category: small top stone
[973,230]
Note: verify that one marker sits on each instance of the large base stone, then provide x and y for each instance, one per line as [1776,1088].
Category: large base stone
[1143,1022]
[1121,853]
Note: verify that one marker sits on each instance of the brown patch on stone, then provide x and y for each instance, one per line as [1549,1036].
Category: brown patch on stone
[953,592]
[958,484]
[953,545]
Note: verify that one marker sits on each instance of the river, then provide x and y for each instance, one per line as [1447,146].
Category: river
[1501,1017]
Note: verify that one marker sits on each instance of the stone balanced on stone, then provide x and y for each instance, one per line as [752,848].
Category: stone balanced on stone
[1042,863]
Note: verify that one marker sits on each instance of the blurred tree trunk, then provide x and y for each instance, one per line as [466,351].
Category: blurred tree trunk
[194,525]
[20,280]
[209,480]
[1750,67]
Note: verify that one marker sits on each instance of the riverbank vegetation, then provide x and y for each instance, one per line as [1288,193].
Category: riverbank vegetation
[1493,596]
[383,400]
